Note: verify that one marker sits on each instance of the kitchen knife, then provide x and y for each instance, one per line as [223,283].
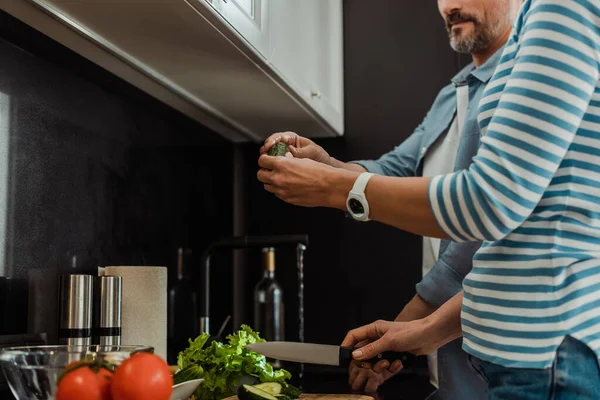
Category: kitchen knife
[321,353]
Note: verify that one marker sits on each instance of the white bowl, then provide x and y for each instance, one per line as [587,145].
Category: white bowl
[185,390]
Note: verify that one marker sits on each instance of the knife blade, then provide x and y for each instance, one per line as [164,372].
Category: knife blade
[323,354]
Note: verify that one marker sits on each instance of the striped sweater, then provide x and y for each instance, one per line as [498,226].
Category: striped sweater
[532,193]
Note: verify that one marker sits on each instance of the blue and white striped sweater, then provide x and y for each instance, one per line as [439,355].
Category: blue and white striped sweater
[532,193]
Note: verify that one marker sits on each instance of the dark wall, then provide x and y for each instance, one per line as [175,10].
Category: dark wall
[104,173]
[397,58]
[99,174]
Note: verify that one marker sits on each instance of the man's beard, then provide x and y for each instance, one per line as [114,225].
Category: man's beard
[484,33]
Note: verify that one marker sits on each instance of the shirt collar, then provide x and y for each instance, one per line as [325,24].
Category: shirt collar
[483,73]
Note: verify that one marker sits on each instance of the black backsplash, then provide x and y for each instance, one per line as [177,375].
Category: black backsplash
[103,174]
[99,174]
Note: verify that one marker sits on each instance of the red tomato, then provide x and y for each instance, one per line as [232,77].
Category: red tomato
[142,376]
[83,384]
[104,381]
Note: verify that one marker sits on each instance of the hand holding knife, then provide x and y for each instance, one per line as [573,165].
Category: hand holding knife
[323,354]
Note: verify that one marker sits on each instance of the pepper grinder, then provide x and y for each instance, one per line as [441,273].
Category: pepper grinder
[75,309]
[107,310]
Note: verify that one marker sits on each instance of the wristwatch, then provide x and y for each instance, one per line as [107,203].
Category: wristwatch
[357,203]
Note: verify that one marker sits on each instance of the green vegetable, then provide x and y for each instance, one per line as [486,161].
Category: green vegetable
[279,150]
[226,366]
[190,373]
[247,392]
[291,392]
[273,388]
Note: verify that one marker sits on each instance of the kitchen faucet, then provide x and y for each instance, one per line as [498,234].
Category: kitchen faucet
[242,242]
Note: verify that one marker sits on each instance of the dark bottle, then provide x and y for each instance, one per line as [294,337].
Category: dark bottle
[183,306]
[268,301]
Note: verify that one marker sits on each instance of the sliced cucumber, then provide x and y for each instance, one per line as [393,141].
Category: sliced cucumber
[273,388]
[247,392]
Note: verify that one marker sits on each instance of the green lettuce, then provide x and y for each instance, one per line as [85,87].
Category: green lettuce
[224,366]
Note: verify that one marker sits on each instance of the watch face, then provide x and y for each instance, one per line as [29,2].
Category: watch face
[356,207]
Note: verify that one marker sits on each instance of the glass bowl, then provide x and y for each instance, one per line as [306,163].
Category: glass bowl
[32,372]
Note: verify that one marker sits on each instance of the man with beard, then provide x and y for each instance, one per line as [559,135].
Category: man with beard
[446,141]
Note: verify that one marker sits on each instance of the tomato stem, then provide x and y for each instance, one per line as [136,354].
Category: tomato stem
[93,364]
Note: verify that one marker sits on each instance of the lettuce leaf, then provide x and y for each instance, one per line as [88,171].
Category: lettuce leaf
[225,366]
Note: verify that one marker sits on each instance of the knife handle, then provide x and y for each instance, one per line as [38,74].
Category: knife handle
[406,358]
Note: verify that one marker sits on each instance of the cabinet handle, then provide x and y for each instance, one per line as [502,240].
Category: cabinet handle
[316,94]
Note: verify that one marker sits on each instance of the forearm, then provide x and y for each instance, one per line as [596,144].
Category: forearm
[403,203]
[399,202]
[417,308]
[421,336]
[347,166]
[444,325]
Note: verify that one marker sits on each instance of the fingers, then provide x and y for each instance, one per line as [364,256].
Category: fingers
[265,176]
[268,162]
[359,380]
[294,151]
[371,350]
[369,380]
[353,372]
[288,138]
[373,379]
[373,384]
[378,330]
[368,332]
[364,333]
[365,380]
[299,152]
[381,366]
[395,367]
[270,188]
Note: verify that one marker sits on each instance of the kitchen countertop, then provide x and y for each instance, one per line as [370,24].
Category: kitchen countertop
[410,385]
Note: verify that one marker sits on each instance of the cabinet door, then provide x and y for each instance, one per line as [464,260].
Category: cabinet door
[214,3]
[306,49]
[248,18]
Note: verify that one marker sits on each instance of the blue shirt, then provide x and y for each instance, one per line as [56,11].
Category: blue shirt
[532,193]
[456,378]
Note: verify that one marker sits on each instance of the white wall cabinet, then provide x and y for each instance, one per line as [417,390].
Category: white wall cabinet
[243,68]
[306,48]
[249,18]
[302,41]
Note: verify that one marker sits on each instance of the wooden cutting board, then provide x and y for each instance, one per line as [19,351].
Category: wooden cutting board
[326,397]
